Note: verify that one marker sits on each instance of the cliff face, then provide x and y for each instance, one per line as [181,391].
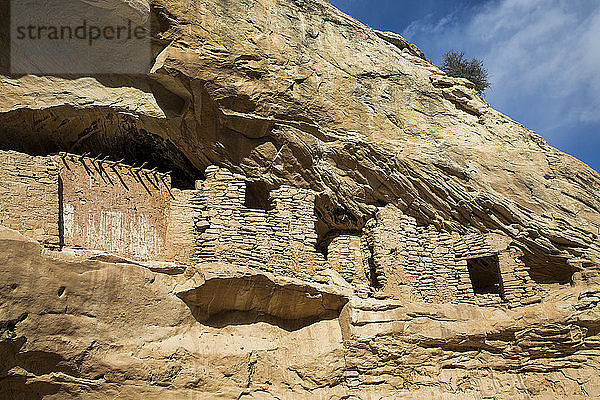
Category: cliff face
[297,93]
[79,326]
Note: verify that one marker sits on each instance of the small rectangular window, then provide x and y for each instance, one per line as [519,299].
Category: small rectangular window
[485,275]
[258,196]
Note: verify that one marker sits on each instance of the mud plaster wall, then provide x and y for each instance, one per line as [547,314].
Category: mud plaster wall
[29,196]
[282,240]
[112,207]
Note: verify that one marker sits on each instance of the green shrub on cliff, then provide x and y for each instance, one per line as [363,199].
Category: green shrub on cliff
[455,64]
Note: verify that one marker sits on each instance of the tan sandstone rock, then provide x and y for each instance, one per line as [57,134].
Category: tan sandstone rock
[342,221]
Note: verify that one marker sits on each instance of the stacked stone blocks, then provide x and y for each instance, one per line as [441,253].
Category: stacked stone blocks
[29,196]
[81,202]
[282,240]
[420,263]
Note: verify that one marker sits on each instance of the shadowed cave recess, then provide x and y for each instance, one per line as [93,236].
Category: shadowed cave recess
[244,300]
[485,275]
[116,137]
[110,133]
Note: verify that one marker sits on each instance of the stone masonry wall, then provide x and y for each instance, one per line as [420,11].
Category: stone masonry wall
[346,254]
[113,207]
[517,286]
[282,240]
[29,196]
[418,263]
[184,215]
[414,263]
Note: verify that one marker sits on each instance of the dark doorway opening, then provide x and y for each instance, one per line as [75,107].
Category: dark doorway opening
[258,196]
[485,275]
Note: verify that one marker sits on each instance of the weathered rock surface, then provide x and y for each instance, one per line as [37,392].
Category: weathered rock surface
[72,326]
[297,93]
[77,328]
[219,298]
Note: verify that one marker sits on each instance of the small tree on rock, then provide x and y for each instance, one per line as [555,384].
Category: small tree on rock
[455,64]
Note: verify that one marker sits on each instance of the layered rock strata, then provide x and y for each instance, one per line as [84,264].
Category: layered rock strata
[341,220]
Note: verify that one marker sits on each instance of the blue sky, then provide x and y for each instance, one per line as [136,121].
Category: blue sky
[543,57]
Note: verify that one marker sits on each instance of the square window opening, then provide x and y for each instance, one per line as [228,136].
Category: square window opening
[485,275]
[258,196]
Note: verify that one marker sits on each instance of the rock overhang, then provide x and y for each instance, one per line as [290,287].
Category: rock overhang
[226,295]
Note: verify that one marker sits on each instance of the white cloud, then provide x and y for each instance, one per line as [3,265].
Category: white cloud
[541,54]
[429,26]
[549,48]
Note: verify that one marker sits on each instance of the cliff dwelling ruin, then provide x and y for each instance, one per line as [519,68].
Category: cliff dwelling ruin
[69,201]
[293,205]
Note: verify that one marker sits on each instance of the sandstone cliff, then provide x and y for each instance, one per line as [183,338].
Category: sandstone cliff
[297,94]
